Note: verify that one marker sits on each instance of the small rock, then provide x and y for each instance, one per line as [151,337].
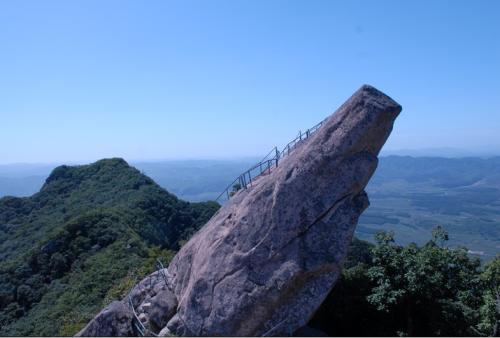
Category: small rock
[142,317]
[165,332]
[114,320]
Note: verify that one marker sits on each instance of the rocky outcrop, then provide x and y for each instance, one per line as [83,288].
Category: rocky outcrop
[147,308]
[268,258]
[266,261]
[115,320]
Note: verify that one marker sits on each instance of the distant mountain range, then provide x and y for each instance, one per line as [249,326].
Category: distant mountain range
[408,194]
[194,180]
[483,152]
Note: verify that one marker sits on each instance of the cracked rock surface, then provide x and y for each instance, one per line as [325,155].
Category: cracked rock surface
[269,257]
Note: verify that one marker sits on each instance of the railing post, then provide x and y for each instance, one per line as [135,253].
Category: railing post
[242,179]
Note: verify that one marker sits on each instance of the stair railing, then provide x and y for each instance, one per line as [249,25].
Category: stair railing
[270,161]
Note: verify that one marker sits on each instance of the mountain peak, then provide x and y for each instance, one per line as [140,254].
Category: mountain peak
[65,171]
[89,227]
[65,178]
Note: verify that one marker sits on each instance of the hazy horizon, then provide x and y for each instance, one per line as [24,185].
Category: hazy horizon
[452,153]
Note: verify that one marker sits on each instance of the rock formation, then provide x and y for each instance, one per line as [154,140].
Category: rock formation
[114,320]
[268,258]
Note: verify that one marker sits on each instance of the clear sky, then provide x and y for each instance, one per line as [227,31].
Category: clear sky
[83,80]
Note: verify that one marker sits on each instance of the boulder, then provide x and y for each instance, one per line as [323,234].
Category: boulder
[163,306]
[268,258]
[146,288]
[153,301]
[154,304]
[115,320]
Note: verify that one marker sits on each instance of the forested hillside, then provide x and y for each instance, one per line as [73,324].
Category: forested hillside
[430,290]
[81,242]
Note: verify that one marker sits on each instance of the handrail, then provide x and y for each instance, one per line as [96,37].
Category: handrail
[141,329]
[161,271]
[245,179]
[139,326]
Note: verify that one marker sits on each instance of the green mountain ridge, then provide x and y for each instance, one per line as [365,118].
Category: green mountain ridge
[84,238]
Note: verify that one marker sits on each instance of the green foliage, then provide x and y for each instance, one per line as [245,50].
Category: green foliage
[490,308]
[436,289]
[410,195]
[81,241]
[430,290]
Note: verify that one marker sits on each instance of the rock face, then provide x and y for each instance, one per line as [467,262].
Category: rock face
[266,261]
[114,320]
[268,258]
[153,302]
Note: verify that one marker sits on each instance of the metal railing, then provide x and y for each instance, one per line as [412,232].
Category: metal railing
[270,161]
[138,325]
[140,329]
[163,272]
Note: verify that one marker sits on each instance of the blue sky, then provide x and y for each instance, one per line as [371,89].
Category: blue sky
[83,80]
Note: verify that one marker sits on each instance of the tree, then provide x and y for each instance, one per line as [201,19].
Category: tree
[490,308]
[25,296]
[431,290]
[439,235]
[58,265]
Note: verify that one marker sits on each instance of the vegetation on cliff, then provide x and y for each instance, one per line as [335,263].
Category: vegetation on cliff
[430,290]
[82,241]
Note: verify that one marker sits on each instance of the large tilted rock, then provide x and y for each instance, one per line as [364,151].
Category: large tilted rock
[269,257]
[267,260]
